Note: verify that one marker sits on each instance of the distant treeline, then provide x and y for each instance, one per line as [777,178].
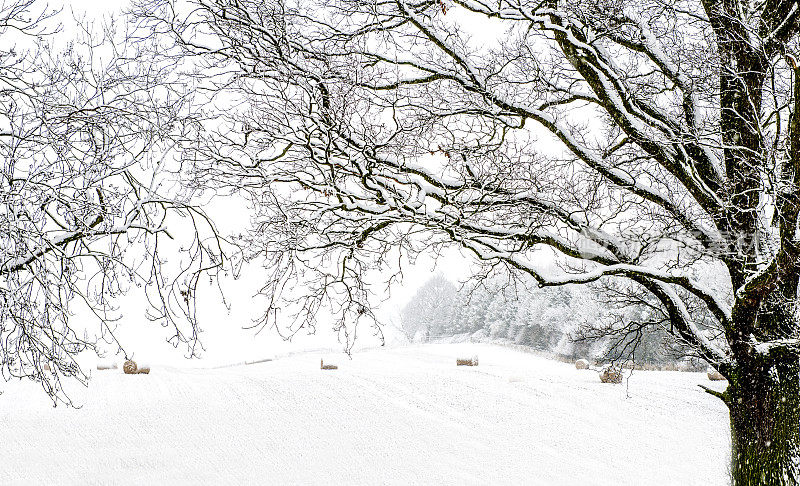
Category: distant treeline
[547,319]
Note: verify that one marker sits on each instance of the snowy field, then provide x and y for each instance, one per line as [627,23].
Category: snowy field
[400,416]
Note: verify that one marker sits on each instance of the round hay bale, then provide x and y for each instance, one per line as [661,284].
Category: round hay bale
[582,364]
[467,361]
[715,375]
[323,366]
[611,374]
[130,367]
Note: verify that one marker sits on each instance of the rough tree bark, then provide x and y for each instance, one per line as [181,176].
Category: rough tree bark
[765,419]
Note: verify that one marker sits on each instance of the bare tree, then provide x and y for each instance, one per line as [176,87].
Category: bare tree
[649,142]
[84,197]
[429,310]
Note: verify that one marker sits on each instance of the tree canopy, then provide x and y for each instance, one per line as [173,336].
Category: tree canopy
[647,142]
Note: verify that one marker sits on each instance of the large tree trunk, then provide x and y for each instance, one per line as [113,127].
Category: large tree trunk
[764,402]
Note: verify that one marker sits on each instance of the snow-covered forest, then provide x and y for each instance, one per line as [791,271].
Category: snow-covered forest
[557,320]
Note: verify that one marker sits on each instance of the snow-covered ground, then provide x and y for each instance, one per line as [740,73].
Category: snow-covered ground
[399,416]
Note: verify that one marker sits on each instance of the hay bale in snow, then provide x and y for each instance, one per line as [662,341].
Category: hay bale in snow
[611,374]
[144,370]
[467,362]
[323,366]
[715,375]
[130,367]
[582,364]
